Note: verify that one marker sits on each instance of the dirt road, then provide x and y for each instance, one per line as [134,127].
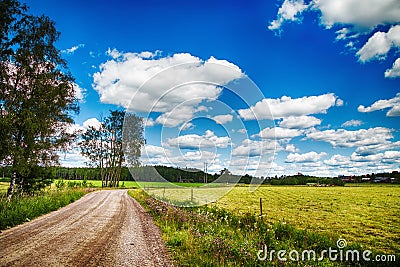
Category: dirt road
[103,228]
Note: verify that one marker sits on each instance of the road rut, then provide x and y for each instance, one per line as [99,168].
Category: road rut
[103,228]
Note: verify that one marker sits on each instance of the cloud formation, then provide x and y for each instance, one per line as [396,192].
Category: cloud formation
[299,122]
[394,72]
[359,15]
[286,107]
[357,138]
[255,148]
[279,133]
[79,93]
[355,18]
[289,11]
[379,44]
[222,119]
[392,104]
[306,157]
[73,49]
[195,141]
[168,85]
[352,123]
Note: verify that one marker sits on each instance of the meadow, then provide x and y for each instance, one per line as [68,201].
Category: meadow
[368,215]
[230,231]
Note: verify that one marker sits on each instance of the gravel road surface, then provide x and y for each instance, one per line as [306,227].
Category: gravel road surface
[103,228]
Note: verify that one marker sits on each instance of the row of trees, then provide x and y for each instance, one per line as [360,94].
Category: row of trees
[117,141]
[304,180]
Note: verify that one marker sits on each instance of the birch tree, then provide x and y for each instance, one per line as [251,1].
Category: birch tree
[117,141]
[37,98]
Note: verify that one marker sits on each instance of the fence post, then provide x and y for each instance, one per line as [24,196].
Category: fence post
[191,195]
[163,193]
[261,211]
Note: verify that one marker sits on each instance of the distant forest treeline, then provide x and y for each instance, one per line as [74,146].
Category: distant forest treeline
[144,173]
[150,173]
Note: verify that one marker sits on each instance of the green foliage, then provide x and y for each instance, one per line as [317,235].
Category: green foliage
[118,139]
[26,208]
[304,180]
[60,184]
[36,179]
[171,174]
[37,98]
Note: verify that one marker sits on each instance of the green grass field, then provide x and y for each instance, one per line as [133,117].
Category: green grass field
[368,215]
[3,187]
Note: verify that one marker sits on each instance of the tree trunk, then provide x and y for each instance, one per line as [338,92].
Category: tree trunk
[11,189]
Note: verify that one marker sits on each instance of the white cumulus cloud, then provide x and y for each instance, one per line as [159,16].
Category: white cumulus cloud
[289,11]
[352,123]
[279,133]
[338,161]
[222,119]
[300,122]
[154,151]
[379,44]
[360,15]
[345,138]
[306,157]
[73,49]
[355,18]
[394,72]
[392,104]
[255,148]
[79,92]
[195,141]
[92,122]
[160,84]
[286,106]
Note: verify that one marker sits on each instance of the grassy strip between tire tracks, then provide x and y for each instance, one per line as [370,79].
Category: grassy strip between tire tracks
[210,236]
[26,208]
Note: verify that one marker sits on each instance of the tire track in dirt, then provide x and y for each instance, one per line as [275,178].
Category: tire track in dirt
[103,228]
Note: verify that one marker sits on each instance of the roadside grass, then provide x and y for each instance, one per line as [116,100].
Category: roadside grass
[91,183]
[368,215]
[132,184]
[213,236]
[25,208]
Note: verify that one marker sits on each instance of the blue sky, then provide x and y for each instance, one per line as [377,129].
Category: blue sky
[213,78]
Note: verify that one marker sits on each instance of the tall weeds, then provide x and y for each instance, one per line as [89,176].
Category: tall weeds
[25,208]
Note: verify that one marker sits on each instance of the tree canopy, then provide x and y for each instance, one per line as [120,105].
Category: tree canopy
[37,97]
[117,141]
